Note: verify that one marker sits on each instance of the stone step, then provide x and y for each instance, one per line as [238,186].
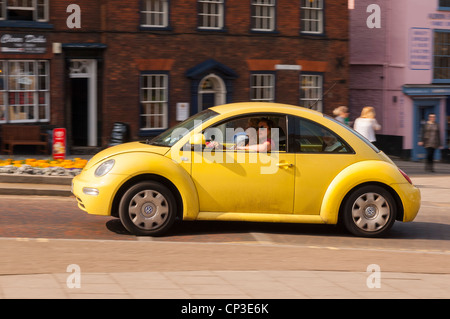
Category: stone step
[16,184]
[35,179]
[34,189]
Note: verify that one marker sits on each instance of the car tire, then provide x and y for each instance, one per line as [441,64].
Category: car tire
[369,211]
[148,209]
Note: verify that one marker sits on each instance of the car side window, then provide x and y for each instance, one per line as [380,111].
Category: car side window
[311,137]
[239,132]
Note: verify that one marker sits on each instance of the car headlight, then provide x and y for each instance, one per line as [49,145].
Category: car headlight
[104,168]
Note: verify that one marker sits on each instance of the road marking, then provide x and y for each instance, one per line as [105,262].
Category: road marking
[144,238]
[247,243]
[262,238]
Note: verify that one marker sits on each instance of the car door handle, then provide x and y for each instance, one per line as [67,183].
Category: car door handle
[285,165]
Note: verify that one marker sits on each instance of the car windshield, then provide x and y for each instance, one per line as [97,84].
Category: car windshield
[365,140]
[174,134]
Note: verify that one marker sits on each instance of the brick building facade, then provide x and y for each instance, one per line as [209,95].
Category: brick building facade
[150,63]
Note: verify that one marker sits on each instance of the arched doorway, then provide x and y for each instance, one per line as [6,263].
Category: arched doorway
[211,92]
[211,84]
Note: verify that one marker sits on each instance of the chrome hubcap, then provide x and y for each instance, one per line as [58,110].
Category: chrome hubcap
[148,209]
[371,212]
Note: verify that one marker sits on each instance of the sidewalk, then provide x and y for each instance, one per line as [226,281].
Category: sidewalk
[223,284]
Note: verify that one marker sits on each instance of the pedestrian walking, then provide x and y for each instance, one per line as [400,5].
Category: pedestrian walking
[430,138]
[341,114]
[367,124]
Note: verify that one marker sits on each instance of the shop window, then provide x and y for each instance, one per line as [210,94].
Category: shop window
[444,5]
[263,15]
[311,91]
[211,14]
[262,87]
[155,14]
[24,91]
[312,16]
[24,10]
[154,103]
[441,55]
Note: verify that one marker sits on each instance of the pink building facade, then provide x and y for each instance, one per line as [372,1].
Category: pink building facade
[400,64]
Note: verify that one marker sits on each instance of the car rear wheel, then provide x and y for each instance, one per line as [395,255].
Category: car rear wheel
[147,209]
[369,211]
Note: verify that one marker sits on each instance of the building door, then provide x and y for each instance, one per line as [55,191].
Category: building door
[83,80]
[79,102]
[211,92]
[422,109]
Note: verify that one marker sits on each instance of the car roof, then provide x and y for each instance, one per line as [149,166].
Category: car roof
[249,107]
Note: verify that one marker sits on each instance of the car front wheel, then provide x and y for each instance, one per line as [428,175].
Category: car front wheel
[369,211]
[147,209]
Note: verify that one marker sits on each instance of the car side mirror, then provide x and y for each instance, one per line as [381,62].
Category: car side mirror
[197,139]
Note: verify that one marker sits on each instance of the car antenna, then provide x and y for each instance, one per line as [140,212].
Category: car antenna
[321,98]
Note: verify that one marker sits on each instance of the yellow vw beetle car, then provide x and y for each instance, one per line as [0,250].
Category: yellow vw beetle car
[260,162]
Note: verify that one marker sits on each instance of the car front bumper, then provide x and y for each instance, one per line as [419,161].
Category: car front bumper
[95,195]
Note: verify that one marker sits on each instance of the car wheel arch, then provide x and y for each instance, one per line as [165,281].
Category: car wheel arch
[147,177]
[351,178]
[392,192]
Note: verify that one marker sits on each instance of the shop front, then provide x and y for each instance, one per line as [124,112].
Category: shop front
[427,99]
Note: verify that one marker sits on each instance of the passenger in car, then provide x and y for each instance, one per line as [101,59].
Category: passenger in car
[265,142]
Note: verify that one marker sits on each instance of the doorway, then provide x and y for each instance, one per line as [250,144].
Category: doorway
[422,109]
[79,102]
[83,92]
[211,92]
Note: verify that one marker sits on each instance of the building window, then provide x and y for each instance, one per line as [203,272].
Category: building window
[155,14]
[441,68]
[154,104]
[444,4]
[263,15]
[24,91]
[311,91]
[262,87]
[24,10]
[312,16]
[210,14]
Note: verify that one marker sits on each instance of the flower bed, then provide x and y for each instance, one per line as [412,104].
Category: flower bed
[43,167]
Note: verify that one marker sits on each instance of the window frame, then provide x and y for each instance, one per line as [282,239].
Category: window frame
[271,17]
[318,100]
[164,102]
[165,15]
[220,15]
[272,86]
[36,5]
[30,100]
[435,55]
[319,21]
[442,6]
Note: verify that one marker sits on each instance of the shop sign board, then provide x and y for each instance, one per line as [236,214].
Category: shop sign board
[23,43]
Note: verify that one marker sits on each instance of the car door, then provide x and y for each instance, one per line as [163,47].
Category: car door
[244,181]
[320,155]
